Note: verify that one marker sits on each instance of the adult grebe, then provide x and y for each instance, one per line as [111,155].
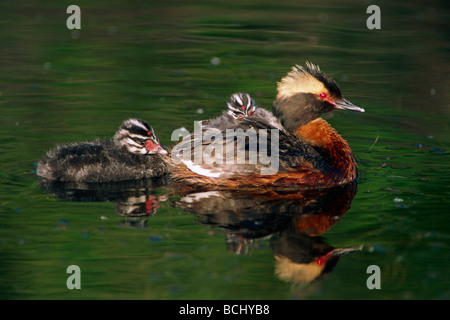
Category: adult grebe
[310,152]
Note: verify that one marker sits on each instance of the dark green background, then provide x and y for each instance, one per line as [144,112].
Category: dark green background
[153,60]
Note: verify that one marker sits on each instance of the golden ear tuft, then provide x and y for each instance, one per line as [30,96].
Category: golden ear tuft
[300,80]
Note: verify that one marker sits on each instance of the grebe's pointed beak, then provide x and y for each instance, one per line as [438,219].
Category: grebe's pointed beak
[343,251]
[162,151]
[159,149]
[153,147]
[345,104]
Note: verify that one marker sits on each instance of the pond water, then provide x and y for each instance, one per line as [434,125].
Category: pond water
[173,63]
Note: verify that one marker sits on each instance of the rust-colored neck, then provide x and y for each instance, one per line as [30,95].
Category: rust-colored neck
[337,151]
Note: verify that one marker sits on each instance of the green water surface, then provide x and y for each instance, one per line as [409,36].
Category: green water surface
[174,62]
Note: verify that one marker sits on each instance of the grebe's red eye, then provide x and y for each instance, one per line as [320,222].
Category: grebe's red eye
[323,95]
[250,113]
[242,107]
[149,133]
[320,261]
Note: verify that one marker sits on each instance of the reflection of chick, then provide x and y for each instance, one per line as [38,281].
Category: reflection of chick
[301,259]
[139,207]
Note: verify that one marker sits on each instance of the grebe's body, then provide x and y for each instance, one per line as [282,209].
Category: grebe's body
[133,154]
[269,118]
[310,152]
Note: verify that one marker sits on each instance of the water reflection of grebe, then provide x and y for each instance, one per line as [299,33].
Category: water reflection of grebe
[292,221]
[300,258]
